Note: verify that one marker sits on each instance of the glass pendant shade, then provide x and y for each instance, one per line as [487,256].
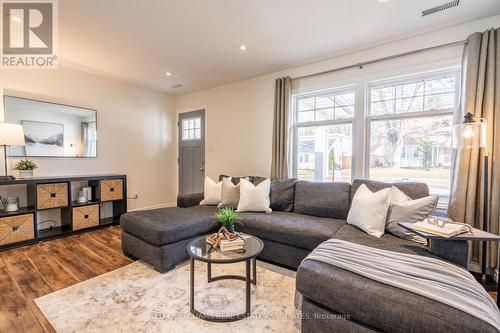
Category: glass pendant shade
[469,135]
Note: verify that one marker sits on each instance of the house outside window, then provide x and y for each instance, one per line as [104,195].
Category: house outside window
[409,130]
[403,126]
[323,135]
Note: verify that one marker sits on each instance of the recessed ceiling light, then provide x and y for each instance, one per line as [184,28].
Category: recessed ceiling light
[243,47]
[168,74]
[382,1]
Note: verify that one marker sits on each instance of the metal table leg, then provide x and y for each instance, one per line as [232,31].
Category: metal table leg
[248,288]
[254,267]
[249,278]
[191,284]
[209,272]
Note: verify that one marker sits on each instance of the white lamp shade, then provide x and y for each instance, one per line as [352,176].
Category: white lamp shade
[11,134]
[469,135]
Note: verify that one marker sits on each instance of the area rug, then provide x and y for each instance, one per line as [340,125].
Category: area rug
[136,298]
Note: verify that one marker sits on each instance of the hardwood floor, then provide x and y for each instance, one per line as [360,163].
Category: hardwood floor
[33,271]
[36,270]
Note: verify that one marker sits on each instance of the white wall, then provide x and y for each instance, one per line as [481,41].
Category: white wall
[240,115]
[135,128]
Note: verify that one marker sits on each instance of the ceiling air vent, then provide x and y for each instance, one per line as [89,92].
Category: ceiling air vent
[175,86]
[448,5]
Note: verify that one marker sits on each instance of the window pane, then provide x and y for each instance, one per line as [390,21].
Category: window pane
[411,104]
[342,112]
[381,94]
[344,99]
[305,116]
[191,123]
[325,114]
[416,96]
[417,149]
[325,106]
[306,104]
[325,153]
[191,128]
[380,108]
[323,102]
[440,101]
[410,90]
[442,85]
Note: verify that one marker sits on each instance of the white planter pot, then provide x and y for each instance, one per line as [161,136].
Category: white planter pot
[25,174]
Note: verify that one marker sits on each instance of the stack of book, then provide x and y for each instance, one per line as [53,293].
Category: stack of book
[449,229]
[231,245]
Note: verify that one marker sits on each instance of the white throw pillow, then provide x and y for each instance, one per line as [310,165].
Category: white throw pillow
[369,210]
[254,198]
[212,192]
[398,196]
[404,209]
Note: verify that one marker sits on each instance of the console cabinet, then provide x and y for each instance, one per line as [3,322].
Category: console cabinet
[57,196]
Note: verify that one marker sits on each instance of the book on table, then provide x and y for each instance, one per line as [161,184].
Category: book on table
[449,229]
[231,245]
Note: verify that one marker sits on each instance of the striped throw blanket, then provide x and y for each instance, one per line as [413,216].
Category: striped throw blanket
[429,277]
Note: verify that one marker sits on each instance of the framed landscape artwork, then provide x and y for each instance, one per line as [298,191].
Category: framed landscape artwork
[43,139]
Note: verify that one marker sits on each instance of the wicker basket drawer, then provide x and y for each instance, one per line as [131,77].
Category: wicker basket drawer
[15,229]
[51,195]
[85,217]
[111,189]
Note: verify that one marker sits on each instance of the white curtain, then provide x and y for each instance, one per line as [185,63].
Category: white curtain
[89,139]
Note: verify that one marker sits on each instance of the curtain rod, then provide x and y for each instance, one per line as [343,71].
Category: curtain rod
[369,62]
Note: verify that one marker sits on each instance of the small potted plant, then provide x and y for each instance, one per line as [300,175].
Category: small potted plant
[25,168]
[227,217]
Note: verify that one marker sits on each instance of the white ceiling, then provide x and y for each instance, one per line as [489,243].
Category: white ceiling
[197,40]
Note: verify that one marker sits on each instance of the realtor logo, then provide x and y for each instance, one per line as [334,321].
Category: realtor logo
[29,37]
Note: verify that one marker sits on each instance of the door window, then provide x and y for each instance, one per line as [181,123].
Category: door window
[191,129]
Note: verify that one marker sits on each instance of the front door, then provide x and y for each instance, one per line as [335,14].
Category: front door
[191,151]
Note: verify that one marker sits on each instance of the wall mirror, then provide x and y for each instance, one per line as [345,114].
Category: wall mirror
[52,130]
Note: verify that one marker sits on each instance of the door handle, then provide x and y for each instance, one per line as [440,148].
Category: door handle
[202,169]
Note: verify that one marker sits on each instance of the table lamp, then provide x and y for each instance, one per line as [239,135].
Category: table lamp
[10,135]
[471,133]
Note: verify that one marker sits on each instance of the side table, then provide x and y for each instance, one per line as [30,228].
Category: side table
[438,243]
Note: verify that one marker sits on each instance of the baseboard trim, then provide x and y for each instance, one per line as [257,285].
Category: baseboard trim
[165,205]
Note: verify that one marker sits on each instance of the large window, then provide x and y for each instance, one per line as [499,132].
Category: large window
[410,130]
[403,126]
[323,135]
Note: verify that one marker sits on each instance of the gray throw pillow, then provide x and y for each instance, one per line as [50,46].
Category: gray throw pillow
[410,211]
[236,180]
[230,194]
[282,194]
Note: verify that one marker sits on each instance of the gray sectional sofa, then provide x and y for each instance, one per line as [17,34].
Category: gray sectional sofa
[304,215]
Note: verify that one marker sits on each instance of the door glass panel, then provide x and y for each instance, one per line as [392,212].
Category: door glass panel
[191,129]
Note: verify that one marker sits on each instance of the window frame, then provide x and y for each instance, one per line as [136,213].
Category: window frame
[405,115]
[341,121]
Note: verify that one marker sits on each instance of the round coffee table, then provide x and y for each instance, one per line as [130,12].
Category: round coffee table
[200,250]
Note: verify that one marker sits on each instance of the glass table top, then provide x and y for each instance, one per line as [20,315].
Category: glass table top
[201,250]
